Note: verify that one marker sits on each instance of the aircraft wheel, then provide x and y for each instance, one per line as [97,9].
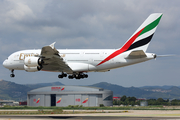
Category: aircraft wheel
[70,77]
[65,75]
[12,75]
[78,77]
[60,76]
[81,76]
[86,76]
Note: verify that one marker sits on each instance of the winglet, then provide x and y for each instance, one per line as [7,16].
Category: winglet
[52,45]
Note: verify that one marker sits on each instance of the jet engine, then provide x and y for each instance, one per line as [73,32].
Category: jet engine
[33,61]
[33,64]
[32,69]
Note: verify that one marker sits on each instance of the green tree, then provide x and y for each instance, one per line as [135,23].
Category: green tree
[175,102]
[115,102]
[132,99]
[160,100]
[132,103]
[123,98]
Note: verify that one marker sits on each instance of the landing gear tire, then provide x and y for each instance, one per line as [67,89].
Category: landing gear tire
[62,75]
[78,76]
[65,75]
[70,77]
[12,75]
[85,76]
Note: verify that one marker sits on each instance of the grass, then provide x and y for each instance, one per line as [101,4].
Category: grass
[93,108]
[27,110]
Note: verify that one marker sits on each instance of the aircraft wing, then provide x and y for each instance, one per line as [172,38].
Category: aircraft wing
[53,61]
[136,54]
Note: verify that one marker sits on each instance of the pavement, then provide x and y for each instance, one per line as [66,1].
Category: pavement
[84,118]
[106,115]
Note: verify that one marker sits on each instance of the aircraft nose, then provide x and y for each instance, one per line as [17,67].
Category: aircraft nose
[5,63]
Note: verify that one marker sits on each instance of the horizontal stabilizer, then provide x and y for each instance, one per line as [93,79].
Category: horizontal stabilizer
[136,54]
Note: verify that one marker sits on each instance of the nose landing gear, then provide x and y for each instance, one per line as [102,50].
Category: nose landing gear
[12,75]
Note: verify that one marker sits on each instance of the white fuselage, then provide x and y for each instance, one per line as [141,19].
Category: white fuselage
[79,60]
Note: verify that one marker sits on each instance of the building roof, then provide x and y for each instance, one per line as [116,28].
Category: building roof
[67,89]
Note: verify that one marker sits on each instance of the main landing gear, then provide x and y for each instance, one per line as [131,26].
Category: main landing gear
[12,75]
[76,76]
[62,75]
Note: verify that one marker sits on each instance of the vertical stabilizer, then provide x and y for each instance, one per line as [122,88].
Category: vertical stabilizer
[143,35]
[140,39]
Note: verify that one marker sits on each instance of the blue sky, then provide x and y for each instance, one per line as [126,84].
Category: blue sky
[91,24]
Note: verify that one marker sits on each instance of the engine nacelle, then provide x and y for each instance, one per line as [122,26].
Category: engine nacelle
[32,69]
[33,61]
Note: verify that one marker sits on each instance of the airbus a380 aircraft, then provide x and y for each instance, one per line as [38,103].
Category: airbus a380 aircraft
[77,62]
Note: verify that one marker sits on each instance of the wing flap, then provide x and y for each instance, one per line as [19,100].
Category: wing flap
[136,54]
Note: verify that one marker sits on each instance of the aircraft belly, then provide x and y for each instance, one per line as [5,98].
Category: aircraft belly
[128,62]
[119,63]
[17,66]
[78,67]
